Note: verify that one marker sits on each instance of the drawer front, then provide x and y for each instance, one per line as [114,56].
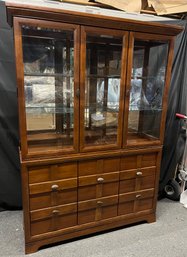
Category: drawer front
[52,186]
[138,161]
[45,200]
[96,186]
[52,219]
[92,167]
[52,172]
[98,209]
[137,179]
[136,202]
[47,194]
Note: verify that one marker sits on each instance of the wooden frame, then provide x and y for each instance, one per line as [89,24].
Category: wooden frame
[165,39]
[95,32]
[18,22]
[81,190]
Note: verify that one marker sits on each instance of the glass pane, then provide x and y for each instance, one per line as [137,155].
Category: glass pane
[147,85]
[48,56]
[102,89]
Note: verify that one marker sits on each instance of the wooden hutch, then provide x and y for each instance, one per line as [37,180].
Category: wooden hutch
[92,95]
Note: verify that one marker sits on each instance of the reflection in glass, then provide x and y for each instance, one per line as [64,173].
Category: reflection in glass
[147,85]
[49,87]
[102,89]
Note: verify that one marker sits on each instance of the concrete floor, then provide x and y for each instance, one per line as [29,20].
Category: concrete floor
[165,238]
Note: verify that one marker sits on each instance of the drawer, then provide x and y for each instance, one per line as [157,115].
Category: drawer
[52,219]
[136,201]
[138,161]
[43,195]
[98,209]
[91,187]
[100,166]
[137,179]
[52,172]
[52,186]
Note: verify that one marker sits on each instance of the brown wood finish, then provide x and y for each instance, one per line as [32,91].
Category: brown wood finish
[52,14]
[20,87]
[79,190]
[18,22]
[105,225]
[166,89]
[97,32]
[168,39]
[99,209]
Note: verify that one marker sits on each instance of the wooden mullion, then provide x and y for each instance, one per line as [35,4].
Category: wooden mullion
[68,86]
[59,85]
[93,81]
[106,85]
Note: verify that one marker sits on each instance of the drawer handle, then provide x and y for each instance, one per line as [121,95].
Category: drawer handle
[54,187]
[100,180]
[55,212]
[100,203]
[138,196]
[139,173]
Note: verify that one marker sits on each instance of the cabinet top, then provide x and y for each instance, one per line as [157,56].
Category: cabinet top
[86,15]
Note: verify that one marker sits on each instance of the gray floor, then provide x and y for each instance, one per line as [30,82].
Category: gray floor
[165,238]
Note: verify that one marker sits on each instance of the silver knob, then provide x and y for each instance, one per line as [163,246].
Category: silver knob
[139,173]
[138,196]
[100,203]
[54,187]
[55,212]
[100,180]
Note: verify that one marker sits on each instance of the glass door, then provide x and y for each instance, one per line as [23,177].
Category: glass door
[103,64]
[48,72]
[147,88]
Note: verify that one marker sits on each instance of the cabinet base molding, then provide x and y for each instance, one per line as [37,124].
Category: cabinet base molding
[34,246]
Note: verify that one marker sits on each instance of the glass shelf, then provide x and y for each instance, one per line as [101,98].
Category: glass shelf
[30,74]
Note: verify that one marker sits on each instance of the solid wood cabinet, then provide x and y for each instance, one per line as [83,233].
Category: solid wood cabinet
[92,94]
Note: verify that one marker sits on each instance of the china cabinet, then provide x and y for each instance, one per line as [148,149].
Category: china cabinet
[92,94]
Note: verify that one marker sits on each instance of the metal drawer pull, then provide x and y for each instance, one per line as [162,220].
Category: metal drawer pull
[139,173]
[100,180]
[100,203]
[54,187]
[138,196]
[55,212]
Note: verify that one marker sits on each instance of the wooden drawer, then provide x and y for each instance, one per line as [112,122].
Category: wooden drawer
[52,219]
[138,161]
[137,179]
[98,209]
[96,186]
[52,172]
[99,166]
[136,201]
[46,194]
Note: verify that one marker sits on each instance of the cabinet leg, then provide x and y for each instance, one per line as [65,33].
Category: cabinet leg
[32,248]
[151,218]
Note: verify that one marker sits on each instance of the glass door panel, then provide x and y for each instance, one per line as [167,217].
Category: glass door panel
[102,80]
[48,58]
[146,92]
